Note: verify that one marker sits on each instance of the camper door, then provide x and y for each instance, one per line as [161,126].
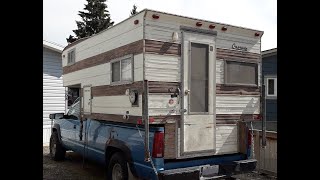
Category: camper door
[198,93]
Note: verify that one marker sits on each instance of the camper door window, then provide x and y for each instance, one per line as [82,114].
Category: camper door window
[121,70]
[241,73]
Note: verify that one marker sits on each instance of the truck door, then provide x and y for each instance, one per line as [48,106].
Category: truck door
[197,134]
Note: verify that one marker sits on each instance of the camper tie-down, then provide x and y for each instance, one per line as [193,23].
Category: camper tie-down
[162,96]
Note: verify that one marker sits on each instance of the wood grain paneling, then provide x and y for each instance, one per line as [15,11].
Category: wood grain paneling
[154,87]
[134,119]
[162,48]
[242,133]
[169,141]
[163,87]
[113,117]
[229,54]
[113,90]
[237,90]
[167,48]
[132,48]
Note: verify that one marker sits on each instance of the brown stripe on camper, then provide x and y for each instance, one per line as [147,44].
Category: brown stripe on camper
[162,48]
[229,54]
[169,141]
[169,87]
[132,48]
[154,87]
[164,119]
[237,90]
[113,117]
[134,119]
[168,48]
[114,90]
[227,117]
[163,87]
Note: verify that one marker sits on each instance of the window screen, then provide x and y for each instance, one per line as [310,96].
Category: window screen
[126,70]
[116,71]
[241,73]
[122,70]
[199,78]
[71,57]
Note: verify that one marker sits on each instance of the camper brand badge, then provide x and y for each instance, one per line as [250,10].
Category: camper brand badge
[240,48]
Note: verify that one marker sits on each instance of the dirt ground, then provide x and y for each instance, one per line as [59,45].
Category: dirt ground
[72,169]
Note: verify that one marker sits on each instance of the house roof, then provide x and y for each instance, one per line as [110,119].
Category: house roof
[269,52]
[53,46]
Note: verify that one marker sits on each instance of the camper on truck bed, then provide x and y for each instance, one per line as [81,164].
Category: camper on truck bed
[162,96]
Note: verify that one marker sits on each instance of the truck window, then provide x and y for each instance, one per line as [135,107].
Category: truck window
[75,109]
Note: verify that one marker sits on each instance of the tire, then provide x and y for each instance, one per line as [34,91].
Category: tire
[117,168]
[57,152]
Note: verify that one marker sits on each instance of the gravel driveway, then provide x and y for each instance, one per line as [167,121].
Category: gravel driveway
[71,169]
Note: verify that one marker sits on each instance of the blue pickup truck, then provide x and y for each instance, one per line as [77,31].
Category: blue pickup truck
[120,147]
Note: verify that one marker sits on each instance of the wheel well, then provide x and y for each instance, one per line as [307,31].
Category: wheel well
[109,152]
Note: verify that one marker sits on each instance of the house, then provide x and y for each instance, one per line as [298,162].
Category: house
[53,90]
[269,76]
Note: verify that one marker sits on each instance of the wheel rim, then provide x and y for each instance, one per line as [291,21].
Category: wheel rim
[117,172]
[53,148]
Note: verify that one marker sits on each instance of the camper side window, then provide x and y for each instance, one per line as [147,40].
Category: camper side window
[241,73]
[122,70]
[71,56]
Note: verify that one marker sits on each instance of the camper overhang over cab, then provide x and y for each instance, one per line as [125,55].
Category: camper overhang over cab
[196,78]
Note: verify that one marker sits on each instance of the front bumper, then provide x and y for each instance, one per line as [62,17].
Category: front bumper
[209,172]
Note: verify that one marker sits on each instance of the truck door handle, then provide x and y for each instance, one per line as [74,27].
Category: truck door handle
[74,126]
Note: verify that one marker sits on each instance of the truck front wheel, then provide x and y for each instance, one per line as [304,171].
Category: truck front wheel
[117,168]
[57,152]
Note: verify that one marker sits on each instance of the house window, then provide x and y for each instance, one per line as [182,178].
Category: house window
[241,73]
[271,87]
[71,56]
[121,70]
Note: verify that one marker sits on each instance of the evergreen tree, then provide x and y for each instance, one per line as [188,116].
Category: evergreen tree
[95,19]
[134,10]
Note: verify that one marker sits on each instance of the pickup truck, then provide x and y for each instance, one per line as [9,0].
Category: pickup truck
[120,148]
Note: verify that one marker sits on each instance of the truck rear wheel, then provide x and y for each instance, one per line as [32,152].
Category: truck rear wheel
[117,168]
[57,152]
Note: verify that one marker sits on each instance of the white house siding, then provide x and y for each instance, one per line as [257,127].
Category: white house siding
[53,90]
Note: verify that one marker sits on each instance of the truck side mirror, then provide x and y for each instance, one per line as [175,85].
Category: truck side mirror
[51,116]
[56,115]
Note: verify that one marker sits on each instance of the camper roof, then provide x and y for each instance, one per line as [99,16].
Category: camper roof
[160,12]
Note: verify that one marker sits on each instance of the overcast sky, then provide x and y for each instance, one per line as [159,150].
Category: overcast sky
[59,15]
